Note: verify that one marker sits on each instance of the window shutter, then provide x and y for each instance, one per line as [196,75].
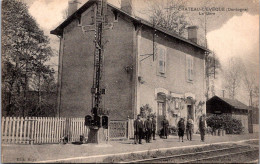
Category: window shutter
[187,67]
[191,68]
[161,60]
[164,60]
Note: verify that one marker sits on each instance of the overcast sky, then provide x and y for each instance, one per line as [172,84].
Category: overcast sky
[229,33]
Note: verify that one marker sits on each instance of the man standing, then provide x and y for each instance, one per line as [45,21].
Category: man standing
[153,126]
[148,129]
[189,129]
[138,129]
[165,125]
[202,127]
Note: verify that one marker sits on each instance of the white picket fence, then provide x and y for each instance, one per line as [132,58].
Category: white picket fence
[39,130]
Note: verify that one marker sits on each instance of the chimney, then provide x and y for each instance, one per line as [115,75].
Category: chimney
[193,34]
[127,6]
[73,7]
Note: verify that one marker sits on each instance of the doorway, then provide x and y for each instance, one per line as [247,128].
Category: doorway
[190,110]
[161,109]
[190,113]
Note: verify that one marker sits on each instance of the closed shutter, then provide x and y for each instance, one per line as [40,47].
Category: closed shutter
[162,60]
[189,68]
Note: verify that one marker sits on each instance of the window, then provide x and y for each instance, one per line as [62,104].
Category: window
[161,60]
[189,68]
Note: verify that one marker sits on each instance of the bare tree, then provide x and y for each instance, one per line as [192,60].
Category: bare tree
[249,84]
[233,76]
[255,102]
[168,16]
[212,69]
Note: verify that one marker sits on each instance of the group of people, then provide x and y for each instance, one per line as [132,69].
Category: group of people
[189,128]
[146,129]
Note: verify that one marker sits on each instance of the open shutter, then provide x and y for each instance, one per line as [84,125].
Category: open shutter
[161,60]
[187,67]
[164,60]
[191,69]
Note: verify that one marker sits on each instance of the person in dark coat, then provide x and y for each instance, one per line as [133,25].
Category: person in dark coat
[138,129]
[148,129]
[153,126]
[189,129]
[165,129]
[202,127]
[181,129]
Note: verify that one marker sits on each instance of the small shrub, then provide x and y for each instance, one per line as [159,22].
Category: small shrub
[209,130]
[226,122]
[145,111]
[173,130]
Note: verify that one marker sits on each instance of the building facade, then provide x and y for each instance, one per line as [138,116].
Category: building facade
[143,65]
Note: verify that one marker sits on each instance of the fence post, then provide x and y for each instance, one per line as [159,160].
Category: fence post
[33,131]
[2,128]
[13,129]
[128,128]
[6,128]
[35,122]
[21,130]
[9,129]
[67,126]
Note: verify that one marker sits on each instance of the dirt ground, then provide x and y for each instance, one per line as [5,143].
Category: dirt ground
[13,153]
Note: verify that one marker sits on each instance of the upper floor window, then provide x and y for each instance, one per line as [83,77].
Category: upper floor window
[189,68]
[161,52]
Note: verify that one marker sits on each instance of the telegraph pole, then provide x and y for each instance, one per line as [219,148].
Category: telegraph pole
[98,121]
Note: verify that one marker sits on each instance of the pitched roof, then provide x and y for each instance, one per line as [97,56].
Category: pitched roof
[232,102]
[59,29]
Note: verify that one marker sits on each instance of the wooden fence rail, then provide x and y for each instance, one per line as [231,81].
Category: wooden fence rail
[39,130]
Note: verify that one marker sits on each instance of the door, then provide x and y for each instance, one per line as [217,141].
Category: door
[161,112]
[190,113]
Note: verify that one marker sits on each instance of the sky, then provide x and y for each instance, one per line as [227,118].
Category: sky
[239,38]
[230,33]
